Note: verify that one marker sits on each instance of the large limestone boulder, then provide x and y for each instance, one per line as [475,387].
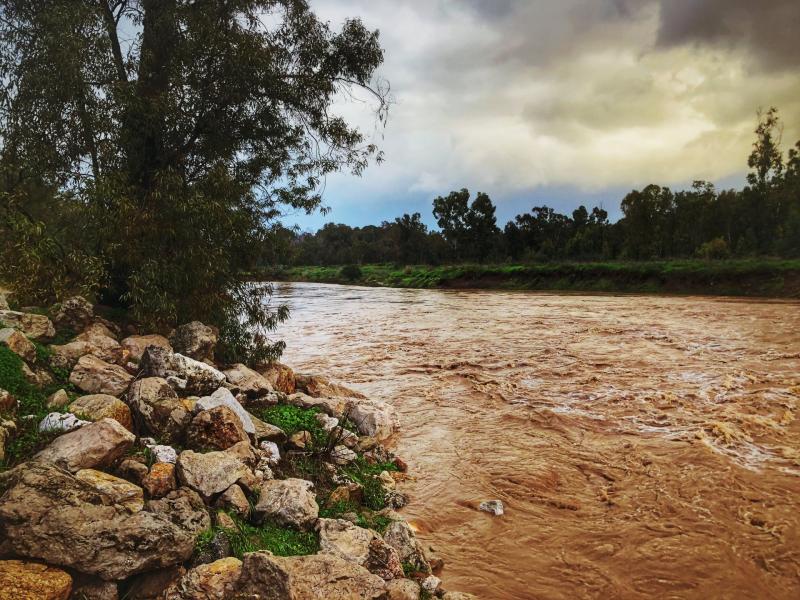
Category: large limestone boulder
[22,580]
[248,381]
[94,445]
[18,344]
[224,397]
[359,546]
[400,536]
[280,377]
[211,581]
[95,376]
[156,405]
[120,491]
[185,508]
[74,313]
[289,502]
[333,407]
[135,345]
[212,472]
[36,327]
[402,589]
[215,429]
[183,373]
[100,406]
[56,421]
[91,342]
[195,340]
[373,418]
[50,515]
[268,577]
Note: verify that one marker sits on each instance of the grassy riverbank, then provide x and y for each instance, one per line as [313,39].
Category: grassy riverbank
[750,277]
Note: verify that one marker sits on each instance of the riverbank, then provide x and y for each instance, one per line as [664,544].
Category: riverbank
[202,479]
[750,277]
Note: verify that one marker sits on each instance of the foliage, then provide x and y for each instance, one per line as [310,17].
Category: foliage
[281,541]
[362,472]
[148,148]
[351,272]
[714,249]
[292,419]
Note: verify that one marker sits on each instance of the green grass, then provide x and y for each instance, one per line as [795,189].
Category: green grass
[366,518]
[362,472]
[292,419]
[246,537]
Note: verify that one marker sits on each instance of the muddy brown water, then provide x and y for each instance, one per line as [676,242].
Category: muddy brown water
[644,447]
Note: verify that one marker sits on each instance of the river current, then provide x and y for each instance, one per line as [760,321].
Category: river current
[644,447]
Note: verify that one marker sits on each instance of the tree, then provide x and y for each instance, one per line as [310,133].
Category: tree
[470,229]
[412,238]
[147,145]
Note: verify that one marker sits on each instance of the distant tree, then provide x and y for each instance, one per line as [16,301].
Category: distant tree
[470,229]
[412,238]
[451,215]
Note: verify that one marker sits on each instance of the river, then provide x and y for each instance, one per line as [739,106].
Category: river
[644,447]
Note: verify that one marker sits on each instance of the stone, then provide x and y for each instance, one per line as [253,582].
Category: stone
[35,327]
[132,470]
[300,440]
[360,546]
[268,577]
[22,580]
[135,345]
[93,588]
[74,313]
[101,326]
[163,453]
[334,407]
[402,589]
[58,399]
[18,344]
[159,480]
[267,431]
[430,584]
[387,481]
[184,374]
[212,581]
[233,499]
[153,584]
[8,404]
[280,377]
[289,502]
[400,536]
[156,405]
[40,377]
[183,507]
[195,340]
[99,406]
[7,431]
[224,397]
[346,494]
[270,452]
[48,514]
[342,455]
[458,596]
[56,421]
[91,343]
[248,381]
[95,376]
[94,445]
[210,473]
[400,464]
[120,491]
[373,418]
[215,429]
[320,387]
[494,507]
[3,302]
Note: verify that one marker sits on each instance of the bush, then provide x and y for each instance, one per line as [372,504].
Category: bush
[351,272]
[714,249]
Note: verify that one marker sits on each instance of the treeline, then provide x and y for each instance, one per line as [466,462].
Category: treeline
[762,219]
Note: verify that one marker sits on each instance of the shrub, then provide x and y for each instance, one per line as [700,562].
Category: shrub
[714,249]
[351,272]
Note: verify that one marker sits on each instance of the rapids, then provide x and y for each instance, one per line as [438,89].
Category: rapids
[643,446]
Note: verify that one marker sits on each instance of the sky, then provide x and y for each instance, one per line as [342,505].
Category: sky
[562,102]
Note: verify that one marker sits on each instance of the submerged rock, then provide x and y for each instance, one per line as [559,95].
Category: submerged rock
[494,507]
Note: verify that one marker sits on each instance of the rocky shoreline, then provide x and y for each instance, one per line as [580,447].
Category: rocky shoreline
[137,467]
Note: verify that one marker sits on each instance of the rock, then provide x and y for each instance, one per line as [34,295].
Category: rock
[289,502]
[57,399]
[183,373]
[99,406]
[91,343]
[215,429]
[137,344]
[3,302]
[458,596]
[320,387]
[270,453]
[153,585]
[233,499]
[50,515]
[156,405]
[35,327]
[249,382]
[120,491]
[132,470]
[223,397]
[494,507]
[301,440]
[266,401]
[74,313]
[342,455]
[334,407]
[93,588]
[184,508]
[280,377]
[56,421]
[95,376]
[21,580]
[212,581]
[387,480]
[400,464]
[163,453]
[400,536]
[39,377]
[396,499]
[195,340]
[430,584]
[210,473]
[268,577]
[103,327]
[267,431]
[8,404]
[18,344]
[8,430]
[94,445]
[402,589]
[359,546]
[350,493]
[373,418]
[159,480]
[215,548]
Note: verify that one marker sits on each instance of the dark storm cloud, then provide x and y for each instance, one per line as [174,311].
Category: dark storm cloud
[766,28]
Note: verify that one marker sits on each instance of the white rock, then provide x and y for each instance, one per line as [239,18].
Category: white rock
[271,453]
[223,397]
[373,418]
[494,507]
[431,583]
[163,454]
[342,455]
[56,421]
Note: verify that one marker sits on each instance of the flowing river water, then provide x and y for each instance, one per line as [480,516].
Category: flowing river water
[644,447]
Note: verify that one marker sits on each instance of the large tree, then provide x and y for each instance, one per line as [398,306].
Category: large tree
[147,145]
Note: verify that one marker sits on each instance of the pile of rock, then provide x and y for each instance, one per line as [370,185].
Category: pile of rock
[161,448]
